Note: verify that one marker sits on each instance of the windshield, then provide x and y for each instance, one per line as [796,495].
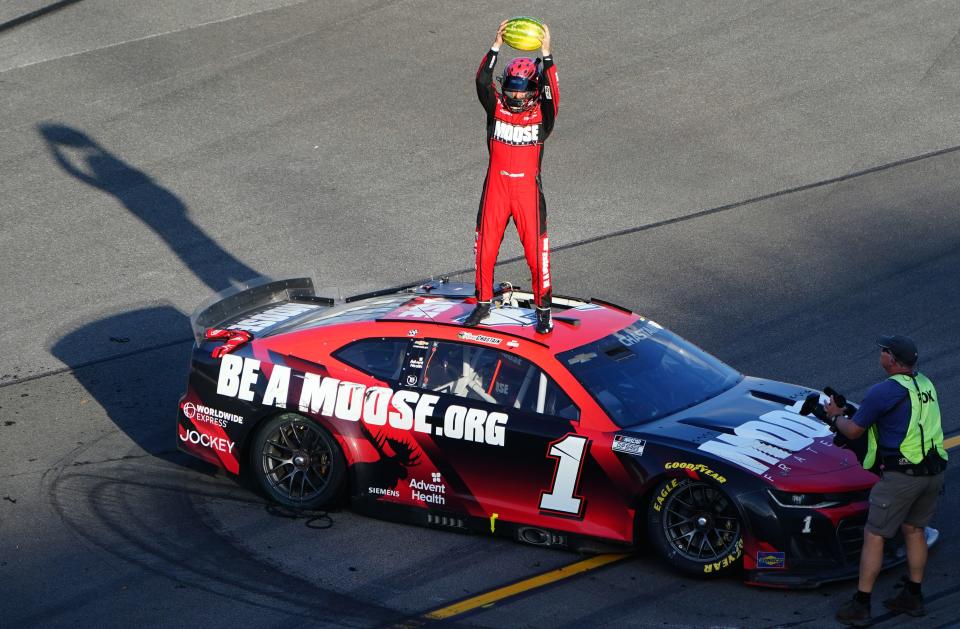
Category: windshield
[644,372]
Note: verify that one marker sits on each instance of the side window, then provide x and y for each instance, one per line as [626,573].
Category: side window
[487,374]
[381,358]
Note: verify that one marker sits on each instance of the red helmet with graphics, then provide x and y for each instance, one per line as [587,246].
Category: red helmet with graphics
[520,84]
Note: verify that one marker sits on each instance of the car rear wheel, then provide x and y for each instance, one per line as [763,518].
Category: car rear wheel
[696,527]
[297,463]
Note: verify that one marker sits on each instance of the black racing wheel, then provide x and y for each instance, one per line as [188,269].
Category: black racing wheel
[297,462]
[696,527]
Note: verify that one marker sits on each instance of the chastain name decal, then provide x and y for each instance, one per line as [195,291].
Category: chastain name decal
[766,441]
[480,338]
[638,332]
[350,401]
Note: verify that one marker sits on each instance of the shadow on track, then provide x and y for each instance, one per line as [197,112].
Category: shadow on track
[154,511]
[158,208]
[139,393]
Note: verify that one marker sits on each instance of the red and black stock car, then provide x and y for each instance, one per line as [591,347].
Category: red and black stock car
[610,428]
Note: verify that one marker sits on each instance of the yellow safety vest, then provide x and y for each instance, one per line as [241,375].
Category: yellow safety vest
[924,432]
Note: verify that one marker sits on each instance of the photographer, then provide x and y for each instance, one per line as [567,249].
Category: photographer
[901,418]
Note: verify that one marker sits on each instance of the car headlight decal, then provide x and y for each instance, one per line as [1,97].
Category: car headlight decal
[804,500]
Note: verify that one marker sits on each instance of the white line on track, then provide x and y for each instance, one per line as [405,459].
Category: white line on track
[153,36]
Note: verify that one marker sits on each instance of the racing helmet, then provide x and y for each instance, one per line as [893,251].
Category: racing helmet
[520,84]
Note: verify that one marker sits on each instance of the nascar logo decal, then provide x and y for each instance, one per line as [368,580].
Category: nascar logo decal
[631,445]
[350,401]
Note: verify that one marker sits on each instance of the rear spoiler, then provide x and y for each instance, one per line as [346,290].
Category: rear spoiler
[237,300]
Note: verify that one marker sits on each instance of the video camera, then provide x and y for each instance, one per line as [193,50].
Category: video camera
[814,405]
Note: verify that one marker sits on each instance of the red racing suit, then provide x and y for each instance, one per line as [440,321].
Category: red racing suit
[512,185]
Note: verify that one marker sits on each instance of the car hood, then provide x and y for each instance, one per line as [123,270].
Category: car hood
[756,427]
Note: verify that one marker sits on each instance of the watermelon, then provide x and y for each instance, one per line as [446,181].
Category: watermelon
[523,33]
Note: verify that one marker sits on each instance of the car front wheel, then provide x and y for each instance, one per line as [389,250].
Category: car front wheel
[297,463]
[696,527]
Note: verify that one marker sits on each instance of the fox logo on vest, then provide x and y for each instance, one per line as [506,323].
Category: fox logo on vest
[514,134]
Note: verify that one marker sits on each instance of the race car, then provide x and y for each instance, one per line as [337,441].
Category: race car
[610,430]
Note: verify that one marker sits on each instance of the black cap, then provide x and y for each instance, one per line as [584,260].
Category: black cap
[902,347]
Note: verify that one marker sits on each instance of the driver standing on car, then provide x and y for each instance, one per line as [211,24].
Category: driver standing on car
[519,119]
[901,417]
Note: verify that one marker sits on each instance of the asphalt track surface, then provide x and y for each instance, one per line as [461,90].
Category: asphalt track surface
[773,180]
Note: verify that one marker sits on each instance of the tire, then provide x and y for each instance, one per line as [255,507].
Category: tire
[695,527]
[297,463]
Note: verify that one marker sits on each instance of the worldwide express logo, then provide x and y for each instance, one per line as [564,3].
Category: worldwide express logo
[199,412]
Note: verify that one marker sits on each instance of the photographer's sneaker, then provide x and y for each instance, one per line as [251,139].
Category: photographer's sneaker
[544,323]
[905,602]
[854,613]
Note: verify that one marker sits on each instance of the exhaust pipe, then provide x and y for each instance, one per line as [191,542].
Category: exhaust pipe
[536,537]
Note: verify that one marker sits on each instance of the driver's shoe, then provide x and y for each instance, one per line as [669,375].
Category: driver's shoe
[479,314]
[544,323]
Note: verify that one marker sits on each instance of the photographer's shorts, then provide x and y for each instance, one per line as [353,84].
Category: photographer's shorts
[899,498]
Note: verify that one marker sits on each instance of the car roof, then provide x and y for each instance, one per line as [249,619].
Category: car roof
[576,321]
